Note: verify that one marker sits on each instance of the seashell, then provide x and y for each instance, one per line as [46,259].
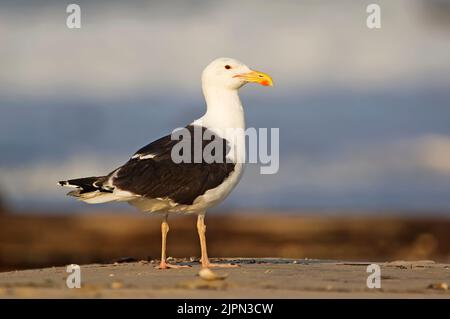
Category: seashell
[208,274]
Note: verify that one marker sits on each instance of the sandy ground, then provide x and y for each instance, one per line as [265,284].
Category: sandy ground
[36,241]
[255,278]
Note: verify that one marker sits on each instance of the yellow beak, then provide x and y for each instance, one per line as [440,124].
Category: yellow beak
[256,77]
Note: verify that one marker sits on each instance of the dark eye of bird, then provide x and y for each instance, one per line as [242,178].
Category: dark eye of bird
[227,67]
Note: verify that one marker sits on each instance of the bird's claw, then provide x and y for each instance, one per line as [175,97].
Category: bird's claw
[165,265]
[215,265]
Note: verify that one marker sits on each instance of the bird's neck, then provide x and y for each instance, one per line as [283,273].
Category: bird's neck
[223,109]
[225,116]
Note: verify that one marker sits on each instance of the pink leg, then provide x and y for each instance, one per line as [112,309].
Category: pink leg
[201,228]
[164,231]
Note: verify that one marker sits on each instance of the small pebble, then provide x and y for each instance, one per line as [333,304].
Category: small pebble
[439,286]
[116,285]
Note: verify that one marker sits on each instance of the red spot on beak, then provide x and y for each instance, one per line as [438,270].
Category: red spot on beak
[264,82]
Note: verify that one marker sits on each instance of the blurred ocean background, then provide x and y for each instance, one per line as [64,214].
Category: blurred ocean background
[364,115]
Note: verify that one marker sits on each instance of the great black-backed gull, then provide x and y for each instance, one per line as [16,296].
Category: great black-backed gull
[152,181]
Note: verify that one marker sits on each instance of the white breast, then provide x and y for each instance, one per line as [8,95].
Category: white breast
[214,196]
[225,117]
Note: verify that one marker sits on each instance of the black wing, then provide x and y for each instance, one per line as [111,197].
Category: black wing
[152,173]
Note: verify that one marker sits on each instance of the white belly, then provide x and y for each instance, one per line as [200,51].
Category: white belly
[214,196]
[209,199]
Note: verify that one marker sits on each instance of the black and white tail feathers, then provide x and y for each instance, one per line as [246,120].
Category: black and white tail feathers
[88,188]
